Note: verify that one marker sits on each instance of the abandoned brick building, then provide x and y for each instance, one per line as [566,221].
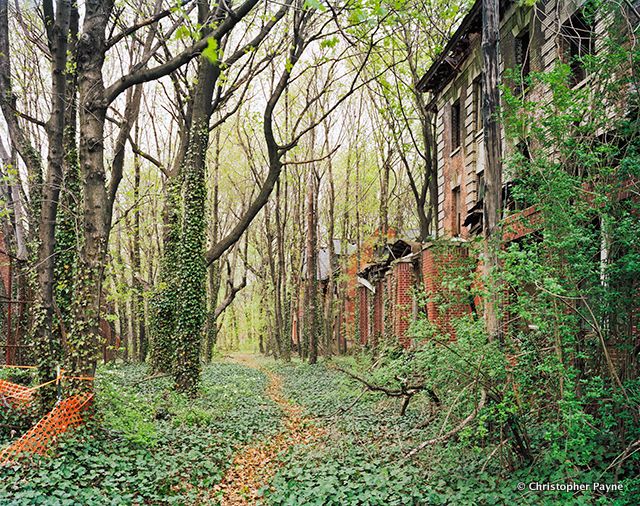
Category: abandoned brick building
[532,38]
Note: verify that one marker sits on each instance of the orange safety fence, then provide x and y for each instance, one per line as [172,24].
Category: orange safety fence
[15,395]
[40,438]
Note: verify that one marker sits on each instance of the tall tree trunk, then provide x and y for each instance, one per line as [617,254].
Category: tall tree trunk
[493,163]
[47,344]
[191,265]
[215,273]
[311,299]
[19,140]
[132,299]
[329,297]
[121,305]
[274,275]
[283,336]
[66,254]
[84,338]
[211,330]
[136,253]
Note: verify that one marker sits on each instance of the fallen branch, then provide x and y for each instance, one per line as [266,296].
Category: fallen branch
[406,391]
[454,431]
[495,450]
[149,378]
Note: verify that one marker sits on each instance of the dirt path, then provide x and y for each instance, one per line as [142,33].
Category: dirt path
[255,465]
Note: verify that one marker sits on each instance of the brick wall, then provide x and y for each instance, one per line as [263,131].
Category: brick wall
[363,308]
[403,301]
[444,304]
[520,224]
[378,313]
[389,299]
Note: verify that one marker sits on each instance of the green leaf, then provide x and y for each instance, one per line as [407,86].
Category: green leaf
[211,52]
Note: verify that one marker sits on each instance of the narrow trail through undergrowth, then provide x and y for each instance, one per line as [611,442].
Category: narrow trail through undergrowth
[255,465]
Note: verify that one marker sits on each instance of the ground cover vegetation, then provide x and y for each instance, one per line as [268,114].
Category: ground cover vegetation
[184,181]
[148,444]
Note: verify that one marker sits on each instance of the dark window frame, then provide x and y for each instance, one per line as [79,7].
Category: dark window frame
[456,125]
[522,57]
[478,120]
[456,198]
[578,41]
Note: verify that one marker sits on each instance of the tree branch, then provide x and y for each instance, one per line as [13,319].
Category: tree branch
[144,75]
[455,430]
[141,24]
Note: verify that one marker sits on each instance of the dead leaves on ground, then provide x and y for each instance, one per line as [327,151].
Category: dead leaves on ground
[254,466]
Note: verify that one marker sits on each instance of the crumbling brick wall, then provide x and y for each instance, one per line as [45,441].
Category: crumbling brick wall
[363,308]
[404,281]
[445,303]
[378,312]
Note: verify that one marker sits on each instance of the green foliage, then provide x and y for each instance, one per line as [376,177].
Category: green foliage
[164,300]
[148,444]
[360,460]
[211,51]
[346,475]
[15,420]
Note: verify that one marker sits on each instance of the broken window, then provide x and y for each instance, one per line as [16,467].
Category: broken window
[477,104]
[514,198]
[577,42]
[473,220]
[455,125]
[522,59]
[523,150]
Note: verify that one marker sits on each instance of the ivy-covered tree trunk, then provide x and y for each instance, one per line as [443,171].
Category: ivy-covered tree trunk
[66,247]
[163,303]
[191,262]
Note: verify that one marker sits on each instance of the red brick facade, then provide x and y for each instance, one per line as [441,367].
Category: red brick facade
[363,314]
[403,301]
[378,312]
[444,304]
[521,224]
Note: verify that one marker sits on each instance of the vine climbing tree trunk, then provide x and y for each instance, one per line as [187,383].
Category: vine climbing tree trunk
[66,248]
[191,264]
